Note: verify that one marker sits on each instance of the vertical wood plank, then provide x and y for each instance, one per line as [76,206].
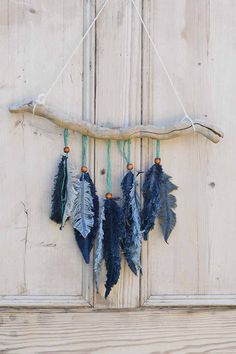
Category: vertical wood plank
[186,38]
[118,103]
[169,263]
[39,37]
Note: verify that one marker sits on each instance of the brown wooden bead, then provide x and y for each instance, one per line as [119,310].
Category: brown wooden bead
[84,169]
[157,160]
[130,166]
[66,149]
[108,196]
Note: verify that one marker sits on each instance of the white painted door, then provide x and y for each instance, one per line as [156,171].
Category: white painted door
[115,79]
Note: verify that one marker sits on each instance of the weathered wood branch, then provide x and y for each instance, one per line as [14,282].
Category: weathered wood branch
[118,133]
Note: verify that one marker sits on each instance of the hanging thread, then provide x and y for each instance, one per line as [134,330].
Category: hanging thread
[158,148]
[127,156]
[108,176]
[66,134]
[161,61]
[84,149]
[122,149]
[43,96]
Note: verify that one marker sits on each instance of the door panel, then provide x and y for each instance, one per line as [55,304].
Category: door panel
[196,266]
[40,265]
[115,79]
[118,103]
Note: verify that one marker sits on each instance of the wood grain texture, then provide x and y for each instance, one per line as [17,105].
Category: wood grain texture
[118,102]
[116,81]
[198,260]
[37,258]
[147,332]
[166,132]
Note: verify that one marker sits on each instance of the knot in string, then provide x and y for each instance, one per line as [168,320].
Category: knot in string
[186,117]
[41,99]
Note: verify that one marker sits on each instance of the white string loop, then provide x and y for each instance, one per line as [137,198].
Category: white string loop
[39,101]
[190,120]
[161,61]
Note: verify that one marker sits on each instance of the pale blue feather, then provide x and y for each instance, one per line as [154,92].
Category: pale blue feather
[72,191]
[99,251]
[135,250]
[82,216]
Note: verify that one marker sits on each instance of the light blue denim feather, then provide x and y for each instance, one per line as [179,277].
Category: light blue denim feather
[82,215]
[72,191]
[135,250]
[99,251]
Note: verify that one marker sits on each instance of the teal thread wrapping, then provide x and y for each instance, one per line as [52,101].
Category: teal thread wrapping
[84,149]
[158,148]
[108,176]
[122,149]
[127,156]
[66,135]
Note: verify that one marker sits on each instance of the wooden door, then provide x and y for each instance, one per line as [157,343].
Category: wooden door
[47,295]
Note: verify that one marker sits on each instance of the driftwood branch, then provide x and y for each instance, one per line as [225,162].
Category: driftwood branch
[139,131]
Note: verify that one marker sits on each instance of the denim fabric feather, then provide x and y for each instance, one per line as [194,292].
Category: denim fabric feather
[86,244]
[151,198]
[131,240]
[113,229]
[99,251]
[82,214]
[136,228]
[72,191]
[166,215]
[59,194]
[158,202]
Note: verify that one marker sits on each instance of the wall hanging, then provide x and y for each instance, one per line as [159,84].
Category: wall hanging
[121,223]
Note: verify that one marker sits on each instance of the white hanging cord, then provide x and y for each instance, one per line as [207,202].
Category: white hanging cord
[162,64]
[43,96]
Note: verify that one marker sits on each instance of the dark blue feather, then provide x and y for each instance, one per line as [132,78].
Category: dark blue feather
[59,192]
[151,198]
[166,216]
[86,244]
[131,240]
[158,202]
[113,229]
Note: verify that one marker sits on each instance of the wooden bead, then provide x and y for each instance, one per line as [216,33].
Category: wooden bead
[108,196]
[66,149]
[130,166]
[157,160]
[84,169]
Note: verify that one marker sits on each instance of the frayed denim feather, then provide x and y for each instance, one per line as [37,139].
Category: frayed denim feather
[113,229]
[86,244]
[131,240]
[59,194]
